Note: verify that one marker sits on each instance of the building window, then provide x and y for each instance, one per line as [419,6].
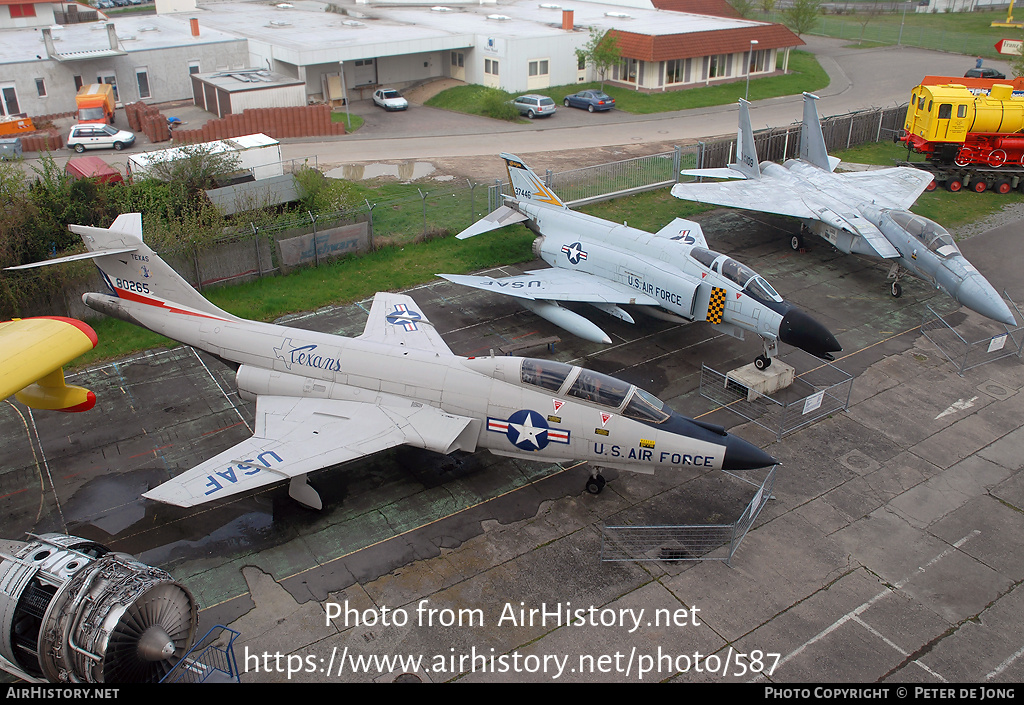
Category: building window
[458,59]
[40,88]
[759,60]
[675,71]
[719,65]
[78,83]
[539,67]
[193,67]
[27,10]
[142,76]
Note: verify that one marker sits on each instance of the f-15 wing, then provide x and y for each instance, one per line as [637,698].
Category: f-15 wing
[764,195]
[556,284]
[297,435]
[902,185]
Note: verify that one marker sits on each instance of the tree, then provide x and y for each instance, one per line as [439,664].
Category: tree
[766,6]
[601,51]
[802,15]
[744,7]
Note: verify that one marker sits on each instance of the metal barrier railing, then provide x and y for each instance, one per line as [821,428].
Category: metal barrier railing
[694,542]
[215,663]
[967,354]
[821,390]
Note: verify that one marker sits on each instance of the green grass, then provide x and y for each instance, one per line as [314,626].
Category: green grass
[967,33]
[948,209]
[805,75]
[352,122]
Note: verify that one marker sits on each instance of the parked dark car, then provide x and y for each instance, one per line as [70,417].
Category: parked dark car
[985,72]
[589,100]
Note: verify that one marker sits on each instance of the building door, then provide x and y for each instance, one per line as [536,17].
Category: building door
[459,65]
[109,79]
[8,100]
[364,72]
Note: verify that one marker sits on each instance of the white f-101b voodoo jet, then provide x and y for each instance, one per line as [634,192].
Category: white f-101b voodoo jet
[325,399]
[863,212]
[670,275]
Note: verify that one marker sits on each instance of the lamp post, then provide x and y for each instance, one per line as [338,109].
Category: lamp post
[750,58]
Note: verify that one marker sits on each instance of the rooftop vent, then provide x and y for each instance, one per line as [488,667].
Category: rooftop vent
[549,6]
[279,23]
[499,18]
[353,23]
[440,8]
[619,15]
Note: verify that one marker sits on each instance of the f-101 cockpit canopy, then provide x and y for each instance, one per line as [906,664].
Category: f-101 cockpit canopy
[594,387]
[932,235]
[749,280]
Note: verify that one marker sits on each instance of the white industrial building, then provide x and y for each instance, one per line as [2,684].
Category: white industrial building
[345,49]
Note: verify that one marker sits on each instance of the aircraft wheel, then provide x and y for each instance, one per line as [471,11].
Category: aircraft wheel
[595,484]
[954,185]
[762,362]
[979,186]
[797,242]
[1003,187]
[897,290]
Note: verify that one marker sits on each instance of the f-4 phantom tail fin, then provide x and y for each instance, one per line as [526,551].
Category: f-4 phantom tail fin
[526,185]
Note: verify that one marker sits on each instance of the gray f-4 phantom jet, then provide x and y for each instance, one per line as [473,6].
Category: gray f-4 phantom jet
[325,399]
[670,275]
[861,212]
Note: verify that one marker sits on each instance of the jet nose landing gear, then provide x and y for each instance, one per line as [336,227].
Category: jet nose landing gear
[596,483]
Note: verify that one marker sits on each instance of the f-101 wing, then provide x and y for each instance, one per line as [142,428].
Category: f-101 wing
[396,319]
[765,195]
[556,284]
[297,435]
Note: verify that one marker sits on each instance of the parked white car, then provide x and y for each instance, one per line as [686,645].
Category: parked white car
[96,135]
[390,99]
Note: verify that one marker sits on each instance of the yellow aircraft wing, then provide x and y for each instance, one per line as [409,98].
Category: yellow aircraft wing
[33,352]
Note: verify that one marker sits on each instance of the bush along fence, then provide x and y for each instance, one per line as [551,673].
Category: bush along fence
[314,238]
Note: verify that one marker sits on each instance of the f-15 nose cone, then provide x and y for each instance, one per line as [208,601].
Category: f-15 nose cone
[978,295]
[743,455]
[801,331]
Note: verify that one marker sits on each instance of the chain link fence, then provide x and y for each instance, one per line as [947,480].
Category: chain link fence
[694,542]
[966,343]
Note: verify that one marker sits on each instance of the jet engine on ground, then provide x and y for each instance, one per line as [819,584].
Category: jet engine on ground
[72,611]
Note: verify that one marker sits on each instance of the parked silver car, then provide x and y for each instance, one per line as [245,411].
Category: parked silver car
[532,105]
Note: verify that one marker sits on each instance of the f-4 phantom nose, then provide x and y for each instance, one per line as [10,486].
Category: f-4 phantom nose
[743,455]
[801,331]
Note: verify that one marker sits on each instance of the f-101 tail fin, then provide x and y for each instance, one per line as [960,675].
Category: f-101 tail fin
[131,270]
[526,185]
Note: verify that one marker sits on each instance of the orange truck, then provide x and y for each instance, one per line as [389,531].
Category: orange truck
[95,103]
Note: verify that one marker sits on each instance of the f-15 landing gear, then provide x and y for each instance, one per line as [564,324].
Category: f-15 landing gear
[896,273]
[596,483]
[762,362]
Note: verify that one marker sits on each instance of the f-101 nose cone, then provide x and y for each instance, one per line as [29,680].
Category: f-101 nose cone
[744,455]
[801,331]
[977,294]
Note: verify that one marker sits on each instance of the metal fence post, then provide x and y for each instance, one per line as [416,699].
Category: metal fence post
[316,250]
[423,196]
[677,162]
